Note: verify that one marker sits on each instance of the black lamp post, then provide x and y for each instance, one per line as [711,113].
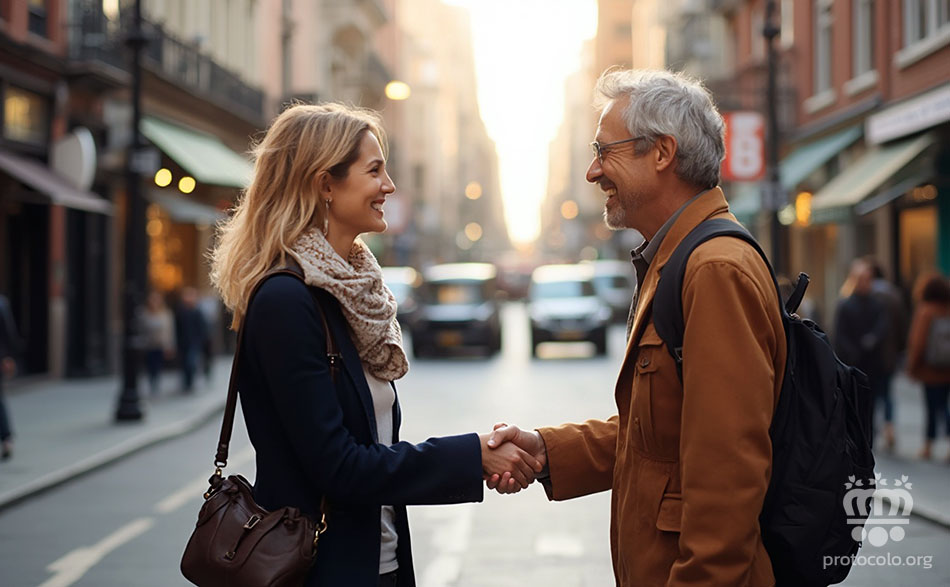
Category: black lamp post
[776,199]
[135,259]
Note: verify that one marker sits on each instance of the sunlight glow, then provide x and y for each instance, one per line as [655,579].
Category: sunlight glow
[524,51]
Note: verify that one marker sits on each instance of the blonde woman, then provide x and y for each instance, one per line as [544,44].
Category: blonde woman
[320,180]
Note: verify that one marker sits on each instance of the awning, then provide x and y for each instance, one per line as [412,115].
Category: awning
[183,210]
[866,175]
[202,155]
[45,181]
[803,161]
[746,201]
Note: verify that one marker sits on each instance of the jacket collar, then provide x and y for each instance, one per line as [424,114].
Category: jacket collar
[710,204]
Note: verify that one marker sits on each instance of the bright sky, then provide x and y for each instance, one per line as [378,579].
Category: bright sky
[524,50]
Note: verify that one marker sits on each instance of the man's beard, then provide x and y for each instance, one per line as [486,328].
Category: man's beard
[616,217]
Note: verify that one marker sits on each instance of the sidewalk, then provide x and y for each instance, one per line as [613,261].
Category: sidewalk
[930,479]
[66,428]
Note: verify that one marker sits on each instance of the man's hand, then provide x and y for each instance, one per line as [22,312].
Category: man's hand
[529,441]
[513,468]
[9,366]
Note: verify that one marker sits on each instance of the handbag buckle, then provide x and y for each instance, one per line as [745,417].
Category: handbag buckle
[252,521]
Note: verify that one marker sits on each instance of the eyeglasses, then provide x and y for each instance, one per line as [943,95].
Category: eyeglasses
[601,150]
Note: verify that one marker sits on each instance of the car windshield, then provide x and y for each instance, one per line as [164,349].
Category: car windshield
[610,282]
[455,292]
[562,289]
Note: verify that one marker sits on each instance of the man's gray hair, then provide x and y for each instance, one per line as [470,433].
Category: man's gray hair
[667,103]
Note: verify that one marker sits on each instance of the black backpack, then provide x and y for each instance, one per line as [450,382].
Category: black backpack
[820,432]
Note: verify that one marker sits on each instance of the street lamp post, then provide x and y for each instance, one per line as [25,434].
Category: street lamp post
[135,260]
[776,198]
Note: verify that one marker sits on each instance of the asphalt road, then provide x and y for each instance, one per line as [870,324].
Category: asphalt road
[126,524]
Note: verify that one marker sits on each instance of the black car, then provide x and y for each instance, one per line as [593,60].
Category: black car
[458,307]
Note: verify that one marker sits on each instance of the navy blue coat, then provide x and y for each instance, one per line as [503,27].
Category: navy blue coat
[314,438]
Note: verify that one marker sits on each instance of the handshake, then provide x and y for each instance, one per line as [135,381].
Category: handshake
[511,458]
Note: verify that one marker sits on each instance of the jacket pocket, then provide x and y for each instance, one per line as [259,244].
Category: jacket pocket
[670,516]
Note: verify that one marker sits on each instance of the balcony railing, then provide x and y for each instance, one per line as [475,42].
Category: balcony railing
[94,37]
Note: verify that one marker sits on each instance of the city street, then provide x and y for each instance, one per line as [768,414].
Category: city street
[127,523]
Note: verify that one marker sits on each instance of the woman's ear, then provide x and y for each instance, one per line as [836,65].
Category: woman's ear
[324,184]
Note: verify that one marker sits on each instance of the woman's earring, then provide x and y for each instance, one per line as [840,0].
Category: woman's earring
[326,218]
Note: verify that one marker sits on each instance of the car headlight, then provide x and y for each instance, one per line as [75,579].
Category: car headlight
[602,314]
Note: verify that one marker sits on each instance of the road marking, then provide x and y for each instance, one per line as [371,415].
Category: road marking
[197,487]
[561,545]
[71,567]
[450,540]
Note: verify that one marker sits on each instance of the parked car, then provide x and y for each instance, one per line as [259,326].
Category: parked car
[404,282]
[458,307]
[615,282]
[563,306]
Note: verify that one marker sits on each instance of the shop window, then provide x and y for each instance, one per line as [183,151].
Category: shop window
[918,242]
[25,116]
[37,18]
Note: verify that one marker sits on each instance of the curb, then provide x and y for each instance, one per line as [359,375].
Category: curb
[116,453]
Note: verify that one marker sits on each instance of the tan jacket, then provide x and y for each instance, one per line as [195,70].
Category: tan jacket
[689,471]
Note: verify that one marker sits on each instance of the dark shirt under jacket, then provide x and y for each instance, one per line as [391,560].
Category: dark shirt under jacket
[314,438]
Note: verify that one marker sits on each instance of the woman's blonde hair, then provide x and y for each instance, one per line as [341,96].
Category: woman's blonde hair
[282,201]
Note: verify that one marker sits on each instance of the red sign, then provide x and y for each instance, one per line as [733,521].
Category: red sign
[745,146]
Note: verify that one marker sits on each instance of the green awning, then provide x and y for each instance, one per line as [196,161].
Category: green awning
[745,201]
[804,160]
[202,155]
[865,176]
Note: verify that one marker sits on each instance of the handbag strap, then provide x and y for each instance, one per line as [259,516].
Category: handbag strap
[333,356]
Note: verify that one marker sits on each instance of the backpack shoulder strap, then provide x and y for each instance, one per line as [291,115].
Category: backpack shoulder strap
[668,301]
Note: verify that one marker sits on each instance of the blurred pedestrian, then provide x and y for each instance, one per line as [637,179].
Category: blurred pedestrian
[928,352]
[861,327]
[9,343]
[159,331]
[210,309]
[892,346]
[190,332]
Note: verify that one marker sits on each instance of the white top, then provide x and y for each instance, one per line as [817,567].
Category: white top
[384,399]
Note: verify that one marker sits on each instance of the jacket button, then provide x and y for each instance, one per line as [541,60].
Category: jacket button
[645,361]
[636,422]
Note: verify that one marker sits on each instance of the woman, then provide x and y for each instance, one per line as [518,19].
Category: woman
[320,180]
[159,332]
[924,360]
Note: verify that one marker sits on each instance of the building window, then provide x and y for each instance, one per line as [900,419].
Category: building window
[787,35]
[25,116]
[822,46]
[924,19]
[862,37]
[37,18]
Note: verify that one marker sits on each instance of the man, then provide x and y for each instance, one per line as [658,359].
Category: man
[889,295]
[190,331]
[689,463]
[8,346]
[862,327]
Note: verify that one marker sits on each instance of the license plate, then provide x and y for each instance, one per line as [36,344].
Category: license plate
[449,338]
[570,335]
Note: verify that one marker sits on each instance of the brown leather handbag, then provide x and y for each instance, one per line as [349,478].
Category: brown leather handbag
[237,543]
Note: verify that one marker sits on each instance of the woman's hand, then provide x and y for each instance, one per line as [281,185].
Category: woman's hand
[514,468]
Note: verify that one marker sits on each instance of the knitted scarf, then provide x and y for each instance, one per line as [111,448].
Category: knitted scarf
[369,306]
